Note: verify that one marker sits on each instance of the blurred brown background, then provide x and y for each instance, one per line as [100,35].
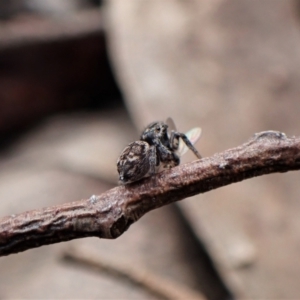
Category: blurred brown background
[80,79]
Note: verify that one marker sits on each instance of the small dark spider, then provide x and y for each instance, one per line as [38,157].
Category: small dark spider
[156,149]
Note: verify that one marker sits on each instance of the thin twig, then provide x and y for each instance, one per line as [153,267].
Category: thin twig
[110,214]
[156,285]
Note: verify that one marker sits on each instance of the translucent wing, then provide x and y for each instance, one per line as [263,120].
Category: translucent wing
[193,135]
[171,124]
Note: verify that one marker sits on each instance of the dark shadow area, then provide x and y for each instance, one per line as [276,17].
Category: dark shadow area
[210,282]
[44,79]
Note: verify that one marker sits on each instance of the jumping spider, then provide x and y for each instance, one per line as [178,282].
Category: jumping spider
[156,149]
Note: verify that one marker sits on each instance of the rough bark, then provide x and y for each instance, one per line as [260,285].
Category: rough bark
[111,213]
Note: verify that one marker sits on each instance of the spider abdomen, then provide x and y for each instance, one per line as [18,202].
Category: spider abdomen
[134,162]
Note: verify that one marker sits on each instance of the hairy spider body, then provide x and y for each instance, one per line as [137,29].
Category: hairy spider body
[136,161]
[156,149]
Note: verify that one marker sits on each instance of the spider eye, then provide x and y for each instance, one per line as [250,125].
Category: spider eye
[157,129]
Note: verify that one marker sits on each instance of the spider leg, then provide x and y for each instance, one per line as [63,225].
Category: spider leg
[175,159]
[167,158]
[186,141]
[174,140]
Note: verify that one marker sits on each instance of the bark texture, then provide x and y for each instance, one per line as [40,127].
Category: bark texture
[111,213]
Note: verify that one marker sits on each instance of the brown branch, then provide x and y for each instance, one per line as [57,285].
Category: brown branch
[153,283]
[110,214]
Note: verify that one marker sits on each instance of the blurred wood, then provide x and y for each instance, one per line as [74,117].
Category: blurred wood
[155,284]
[31,29]
[232,68]
[52,64]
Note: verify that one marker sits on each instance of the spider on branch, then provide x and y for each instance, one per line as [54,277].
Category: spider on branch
[158,148]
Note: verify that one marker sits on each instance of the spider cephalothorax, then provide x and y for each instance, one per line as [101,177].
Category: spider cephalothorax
[156,149]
